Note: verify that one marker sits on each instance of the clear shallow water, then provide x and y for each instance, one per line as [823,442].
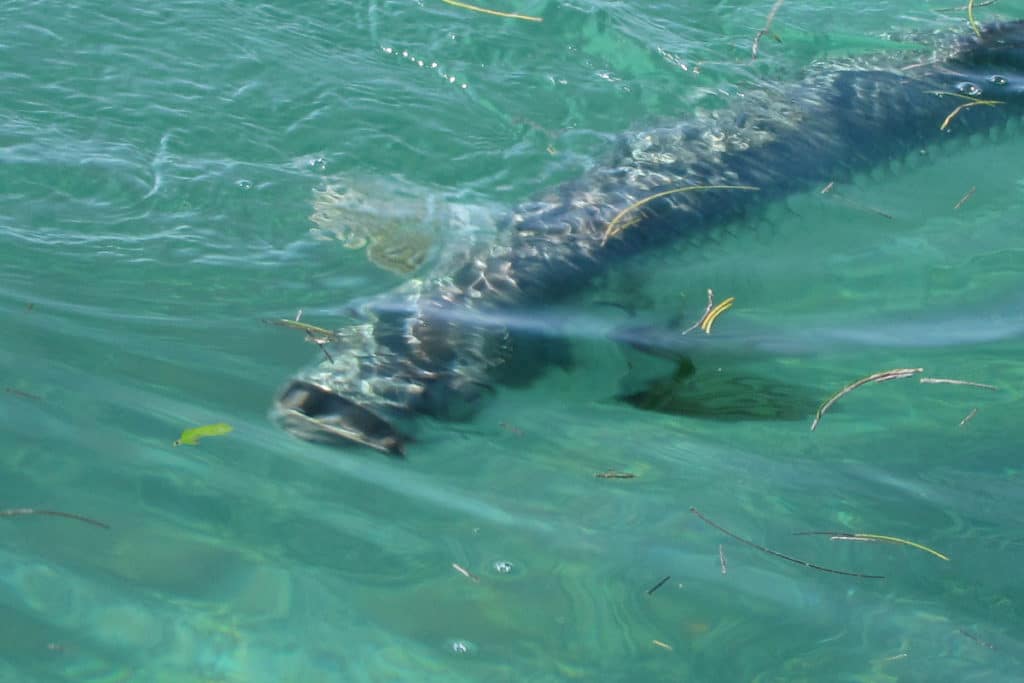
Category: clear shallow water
[159,170]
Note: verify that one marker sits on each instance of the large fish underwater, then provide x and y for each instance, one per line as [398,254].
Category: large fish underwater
[435,348]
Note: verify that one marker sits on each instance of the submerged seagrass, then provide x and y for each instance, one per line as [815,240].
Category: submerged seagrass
[424,350]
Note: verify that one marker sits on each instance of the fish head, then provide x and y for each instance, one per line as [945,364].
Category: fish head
[992,63]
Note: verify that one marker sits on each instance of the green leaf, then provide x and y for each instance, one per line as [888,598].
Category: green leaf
[190,437]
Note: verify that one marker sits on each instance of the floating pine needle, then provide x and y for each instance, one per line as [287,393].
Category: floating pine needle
[967,105]
[492,12]
[971,20]
[788,558]
[704,315]
[612,474]
[959,382]
[614,227]
[767,27]
[963,200]
[663,646]
[18,512]
[465,572]
[191,437]
[650,591]
[718,310]
[843,536]
[961,8]
[856,205]
[969,416]
[899,373]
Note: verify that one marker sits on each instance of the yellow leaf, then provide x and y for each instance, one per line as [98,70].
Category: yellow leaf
[190,437]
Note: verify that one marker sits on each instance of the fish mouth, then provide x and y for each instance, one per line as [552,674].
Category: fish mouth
[314,413]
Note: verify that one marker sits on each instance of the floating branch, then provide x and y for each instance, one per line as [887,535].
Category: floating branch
[766,30]
[663,646]
[191,437]
[614,227]
[788,558]
[961,8]
[311,330]
[492,12]
[959,382]
[978,640]
[899,373]
[650,591]
[963,200]
[843,536]
[18,512]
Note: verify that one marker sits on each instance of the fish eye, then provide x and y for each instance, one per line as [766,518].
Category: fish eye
[968,88]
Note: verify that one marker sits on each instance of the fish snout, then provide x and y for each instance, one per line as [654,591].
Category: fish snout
[313,413]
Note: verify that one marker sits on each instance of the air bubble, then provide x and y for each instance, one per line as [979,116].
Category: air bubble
[503,567]
[998,80]
[461,647]
[244,184]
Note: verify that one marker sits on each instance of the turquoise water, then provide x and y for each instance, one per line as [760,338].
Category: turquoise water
[171,176]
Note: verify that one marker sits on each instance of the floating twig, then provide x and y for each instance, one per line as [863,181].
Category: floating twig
[663,646]
[721,558]
[959,382]
[895,657]
[704,315]
[899,373]
[191,437]
[788,558]
[310,330]
[614,227]
[496,13]
[718,310]
[18,512]
[978,640]
[613,474]
[844,536]
[465,572]
[969,416]
[963,200]
[22,394]
[967,105]
[767,27]
[650,591]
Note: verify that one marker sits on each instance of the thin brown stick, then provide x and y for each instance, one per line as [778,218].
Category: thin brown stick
[958,382]
[650,591]
[899,373]
[788,558]
[969,416]
[767,27]
[967,105]
[963,200]
[19,512]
